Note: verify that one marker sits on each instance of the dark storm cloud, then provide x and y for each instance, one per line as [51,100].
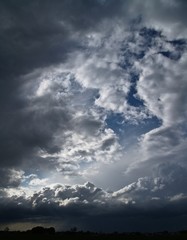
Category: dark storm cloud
[33,36]
[29,40]
[48,49]
[26,131]
[10,178]
[91,208]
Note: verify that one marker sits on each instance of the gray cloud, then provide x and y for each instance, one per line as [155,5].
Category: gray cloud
[30,130]
[67,67]
[85,204]
[34,36]
[10,178]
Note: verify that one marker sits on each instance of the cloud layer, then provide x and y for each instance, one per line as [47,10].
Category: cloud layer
[84,205]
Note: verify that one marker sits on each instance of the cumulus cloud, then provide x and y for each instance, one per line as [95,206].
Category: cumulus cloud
[162,85]
[68,204]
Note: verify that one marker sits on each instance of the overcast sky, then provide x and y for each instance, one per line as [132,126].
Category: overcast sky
[93,109]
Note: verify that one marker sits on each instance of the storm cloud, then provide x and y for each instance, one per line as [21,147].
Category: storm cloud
[93,114]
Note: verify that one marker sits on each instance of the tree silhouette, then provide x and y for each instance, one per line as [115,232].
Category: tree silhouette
[6,229]
[42,230]
[73,229]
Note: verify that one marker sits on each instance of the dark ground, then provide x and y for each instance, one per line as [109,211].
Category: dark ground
[92,236]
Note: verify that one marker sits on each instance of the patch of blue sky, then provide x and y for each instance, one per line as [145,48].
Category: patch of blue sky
[129,54]
[171,55]
[132,98]
[178,46]
[149,36]
[127,131]
[115,121]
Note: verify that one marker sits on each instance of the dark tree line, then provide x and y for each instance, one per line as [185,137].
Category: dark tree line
[42,230]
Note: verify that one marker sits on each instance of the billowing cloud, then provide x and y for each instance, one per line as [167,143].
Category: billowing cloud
[93,91]
[69,204]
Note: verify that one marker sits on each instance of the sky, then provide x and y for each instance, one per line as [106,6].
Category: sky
[93,109]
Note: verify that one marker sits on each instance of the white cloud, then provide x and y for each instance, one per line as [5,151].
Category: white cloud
[38,182]
[92,63]
[100,69]
[162,86]
[168,16]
